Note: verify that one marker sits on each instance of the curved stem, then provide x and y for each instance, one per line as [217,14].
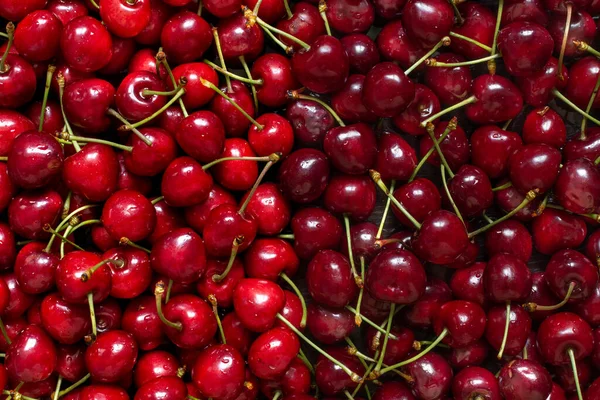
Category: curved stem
[502,187]
[385,339]
[588,109]
[305,360]
[506,327]
[350,254]
[286,35]
[234,249]
[385,211]
[249,75]
[60,79]
[352,374]
[288,11]
[149,92]
[583,46]
[90,298]
[126,242]
[161,58]
[86,275]
[180,92]
[322,12]
[295,95]
[47,228]
[68,220]
[369,322]
[215,33]
[273,158]
[49,74]
[377,179]
[10,32]
[85,139]
[563,45]
[232,75]
[445,41]
[438,149]
[456,106]
[487,219]
[4,333]
[357,317]
[471,40]
[441,337]
[129,127]
[67,204]
[213,301]
[159,290]
[449,195]
[299,294]
[451,127]
[531,307]
[459,18]
[287,49]
[74,386]
[575,374]
[57,390]
[432,62]
[491,62]
[574,107]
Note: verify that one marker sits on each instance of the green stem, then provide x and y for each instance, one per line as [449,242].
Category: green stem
[159,290]
[161,58]
[148,92]
[213,301]
[129,127]
[273,158]
[249,74]
[451,127]
[459,18]
[470,40]
[386,337]
[322,12]
[169,290]
[300,296]
[4,158]
[449,195]
[305,360]
[288,10]
[563,45]
[86,275]
[84,139]
[491,62]
[575,374]
[90,298]
[439,151]
[10,33]
[237,241]
[385,211]
[66,205]
[444,42]
[377,179]
[357,317]
[589,107]
[487,219]
[350,254]
[287,49]
[502,187]
[506,124]
[127,242]
[57,390]
[67,220]
[4,333]
[49,74]
[47,228]
[61,90]
[220,160]
[506,327]
[456,106]
[432,62]
[419,355]
[180,92]
[232,75]
[574,107]
[74,386]
[531,307]
[295,95]
[286,236]
[286,35]
[220,54]
[157,200]
[369,322]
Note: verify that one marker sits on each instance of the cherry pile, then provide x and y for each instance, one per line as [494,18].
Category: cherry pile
[242,199]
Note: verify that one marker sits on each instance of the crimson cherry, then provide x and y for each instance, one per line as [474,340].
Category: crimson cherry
[70,361]
[159,14]
[202,135]
[185,37]
[348,16]
[455,146]
[31,357]
[153,365]
[12,124]
[92,172]
[34,160]
[69,280]
[450,84]
[387,91]
[534,167]
[396,45]
[524,379]
[131,99]
[329,325]
[225,224]
[37,37]
[275,71]
[111,356]
[506,278]
[276,135]
[582,27]
[576,187]
[352,196]
[424,105]
[17,82]
[196,93]
[329,279]
[545,126]
[509,237]
[179,255]
[17,11]
[257,302]
[303,175]
[584,72]
[315,229]
[432,376]
[272,352]
[128,214]
[588,308]
[236,174]
[133,277]
[517,333]
[219,371]
[330,377]
[498,99]
[491,148]
[219,283]
[86,44]
[30,211]
[238,39]
[516,41]
[270,209]
[555,230]
[427,21]
[362,52]
[527,10]
[196,216]
[475,381]
[478,23]
[64,322]
[471,190]
[195,321]
[163,388]
[441,238]
[537,88]
[236,334]
[105,391]
[310,121]
[167,220]
[348,104]
[86,103]
[420,314]
[267,258]
[564,336]
[569,267]
[125,19]
[141,320]
[396,158]
[460,322]
[234,122]
[473,354]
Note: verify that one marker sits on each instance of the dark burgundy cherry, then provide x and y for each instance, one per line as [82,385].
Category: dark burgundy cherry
[498,99]
[111,356]
[224,225]
[179,255]
[30,211]
[86,44]
[92,172]
[387,91]
[362,51]
[219,372]
[37,37]
[556,230]
[276,136]
[222,290]
[130,99]
[159,14]
[151,160]
[34,160]
[329,325]
[196,318]
[588,308]
[170,119]
[420,314]
[475,381]
[348,103]
[222,9]
[568,267]
[86,103]
[237,39]
[526,47]
[127,180]
[419,197]
[441,238]
[7,188]
[576,187]
[272,352]
[450,84]
[427,21]
[257,302]
[506,278]
[544,125]
[509,237]
[275,71]
[236,174]
[125,18]
[534,167]
[234,122]
[398,347]
[329,279]
[526,10]
[70,361]
[396,158]
[153,365]
[305,24]
[185,37]
[389,9]
[464,322]
[31,357]
[432,376]
[196,93]
[202,136]
[471,190]
[315,229]
[491,148]
[587,148]
[478,23]
[324,67]
[561,333]
[303,175]
[353,196]
[17,82]
[131,279]
[270,209]
[363,241]
[140,319]
[267,258]
[524,379]
[583,74]
[15,301]
[270,11]
[395,44]
[518,331]
[424,105]
[310,121]
[185,183]
[473,354]
[8,251]
[510,198]
[581,28]
[196,216]
[128,214]
[64,322]
[537,88]
[455,146]
[348,16]
[330,378]
[352,149]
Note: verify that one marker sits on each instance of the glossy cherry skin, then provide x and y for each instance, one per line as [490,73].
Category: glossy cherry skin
[387,91]
[329,279]
[424,105]
[474,354]
[236,174]
[479,24]
[295,381]
[498,100]
[570,266]
[196,94]
[224,225]
[508,199]
[588,308]
[45,27]
[34,160]
[153,365]
[202,136]
[563,331]
[64,322]
[450,84]
[69,282]
[348,103]
[163,388]
[582,28]
[310,122]
[528,10]
[222,9]
[275,71]
[363,241]
[17,11]
[12,124]
[267,258]
[134,277]
[395,44]
[31,357]
[70,361]
[330,378]
[396,159]
[455,147]
[509,237]
[196,318]
[516,41]
[272,352]
[167,220]
[362,52]
[276,136]
[222,290]
[235,333]
[584,72]
[219,372]
[506,278]
[123,50]
[464,321]
[257,302]
[185,183]
[270,209]
[471,190]
[441,238]
[518,331]
[159,14]
[86,103]
[432,376]
[524,379]
[491,148]
[237,39]
[125,19]
[537,88]
[427,21]
[86,44]
[545,126]
[130,99]
[29,212]
[127,180]
[315,229]
[352,149]
[179,255]
[397,276]
[354,196]
[586,148]
[128,214]
[8,251]
[92,172]
[420,314]
[17,83]
[53,120]
[556,230]
[329,325]
[196,216]
[324,67]
[348,16]
[475,381]
[234,122]
[185,37]
[111,356]
[576,187]
[534,166]
[140,319]
[303,175]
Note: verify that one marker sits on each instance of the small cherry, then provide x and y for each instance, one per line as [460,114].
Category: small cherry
[329,325]
[197,215]
[125,18]
[362,51]
[441,238]
[257,302]
[30,211]
[329,279]
[351,196]
[395,44]
[571,276]
[534,167]
[163,388]
[420,314]
[239,38]
[220,280]
[424,105]
[508,342]
[427,21]
[450,84]
[111,356]
[179,255]
[454,147]
[478,23]
[491,149]
[331,378]
[315,229]
[538,88]
[37,37]
[432,376]
[272,352]
[387,91]
[70,361]
[471,190]
[576,186]
[64,322]
[526,47]
[234,122]
[168,219]
[275,71]
[133,277]
[17,76]
[92,172]
[159,14]
[396,158]
[303,175]
[310,121]
[473,354]
[155,364]
[544,125]
[475,382]
[304,23]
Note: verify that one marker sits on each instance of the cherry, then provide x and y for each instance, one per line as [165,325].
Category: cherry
[583,71]
[128,214]
[329,279]
[427,21]
[17,11]
[424,105]
[272,352]
[202,135]
[491,148]
[330,377]
[581,28]
[131,279]
[544,126]
[432,376]
[329,325]
[270,209]
[219,371]
[105,391]
[569,267]
[397,276]
[234,122]
[352,196]
[127,180]
[315,229]
[295,380]
[396,159]
[441,238]
[196,216]
[563,337]
[475,381]
[537,88]
[165,387]
[124,18]
[554,230]
[362,51]
[235,333]
[86,44]
[363,237]
[275,71]
[322,67]
[87,102]
[155,364]
[459,323]
[506,278]
[395,44]
[236,174]
[238,38]
[564,375]
[122,51]
[471,190]
[498,100]
[509,199]
[195,73]
[53,121]
[12,124]
[31,357]
[576,186]
[419,315]
[111,356]
[534,167]
[194,324]
[77,290]
[220,282]
[276,135]
[70,361]
[256,302]
[474,354]
[398,346]
[586,147]
[185,183]
[7,188]
[455,146]
[92,172]
[310,121]
[478,23]
[159,14]
[267,258]
[131,98]
[185,37]
[45,27]
[587,309]
[179,255]
[167,220]
[225,224]
[17,81]
[517,333]
[516,41]
[29,212]
[141,320]
[450,84]
[348,16]
[387,91]
[388,9]
[8,248]
[524,379]
[526,10]
[64,322]
[509,237]
[108,316]
[144,60]
[303,175]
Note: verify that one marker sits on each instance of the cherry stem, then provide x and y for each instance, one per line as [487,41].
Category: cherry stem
[456,106]
[291,283]
[169,290]
[589,107]
[249,15]
[157,200]
[376,176]
[150,92]
[249,74]
[85,223]
[93,2]
[357,278]
[385,211]
[49,74]
[90,298]
[213,302]
[286,236]
[159,290]
[17,395]
[583,46]
[305,360]
[57,390]
[532,194]
[68,220]
[491,63]
[199,12]
[61,90]
[471,40]
[287,49]
[563,45]
[574,107]
[48,228]
[575,374]
[322,11]
[295,95]
[502,187]
[445,41]
[525,354]
[67,204]
[369,322]
[126,242]
[288,10]
[129,127]
[357,317]
[277,395]
[353,375]
[74,386]
[179,93]
[273,158]
[506,327]
[451,127]
[230,100]
[88,274]
[4,333]
[452,203]
[532,307]
[215,33]
[10,31]
[365,377]
[229,74]
[432,62]
[436,145]
[441,337]
[385,339]
[237,242]
[353,351]
[459,18]
[83,139]
[487,219]
[4,35]
[507,124]
[161,58]
[4,158]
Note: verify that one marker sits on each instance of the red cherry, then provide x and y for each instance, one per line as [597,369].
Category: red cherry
[17,82]
[349,16]
[576,186]
[498,100]
[441,238]
[163,388]
[450,84]
[125,18]
[506,278]
[518,331]
[491,149]
[131,279]
[537,88]
[185,37]
[387,91]
[202,135]
[86,104]
[545,126]
[86,44]
[303,175]
[238,39]
[234,122]
[478,23]
[141,320]
[329,279]
[159,14]
[105,391]
[396,45]
[194,317]
[150,160]
[128,214]
[534,167]
[70,284]
[432,376]
[276,73]
[257,302]
[427,21]
[70,361]
[509,237]
[236,334]
[526,47]
[276,136]
[17,11]
[37,37]
[219,372]
[362,51]
[196,215]
[12,124]
[455,146]
[236,174]
[179,255]
[92,172]
[420,314]
[475,381]
[564,333]
[31,357]
[221,289]
[352,196]
[111,356]
[463,321]
[555,230]
[196,94]
[347,103]
[30,211]
[272,352]
[527,378]
[329,325]
[131,100]
[315,229]
[330,377]
[64,322]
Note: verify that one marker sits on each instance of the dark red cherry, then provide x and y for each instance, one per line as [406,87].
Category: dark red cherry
[387,91]
[222,9]
[122,51]
[362,51]
[133,277]
[348,16]
[509,237]
[64,322]
[105,391]
[498,99]
[555,230]
[330,378]
[396,158]
[202,136]
[159,14]
[272,352]
[471,190]
[582,28]
[534,167]
[219,372]
[467,284]
[420,314]
[568,267]
[315,229]
[474,354]
[236,334]
[185,37]
[348,104]
[577,186]
[303,176]
[270,209]
[196,216]
[111,356]
[363,241]
[395,44]
[141,320]
[464,322]
[17,82]
[127,180]
[179,255]
[70,361]
[419,197]
[432,376]
[329,325]
[388,9]
[7,188]
[234,122]
[267,258]
[86,44]
[353,196]
[257,302]
[491,148]
[145,160]
[185,183]
[144,60]
[276,136]
[427,21]
[34,160]
[424,105]
[450,84]
[153,365]
[588,308]
[30,211]
[275,71]
[455,146]
[473,381]
[352,149]
[198,324]
[12,124]
[31,357]
[510,198]
[37,37]
[53,121]
[587,148]
[222,290]
[86,103]
[322,68]
[224,225]
[338,289]
[537,88]
[518,330]
[478,23]
[167,220]
[305,24]
[441,238]
[310,121]
[296,380]
[524,379]
[17,11]
[237,39]
[526,10]
[506,278]
[526,47]
[125,18]
[562,333]
[8,251]
[128,214]
[544,126]
[131,100]
[163,388]
[236,174]
[68,278]
[583,74]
